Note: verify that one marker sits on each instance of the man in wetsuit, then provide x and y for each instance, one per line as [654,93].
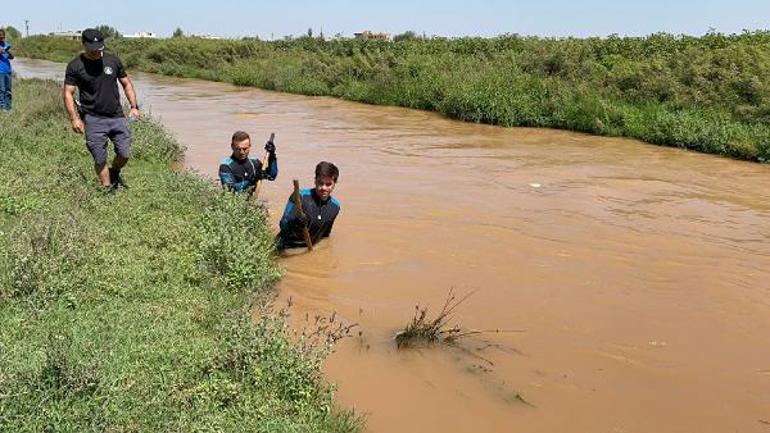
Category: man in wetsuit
[100,116]
[320,208]
[239,172]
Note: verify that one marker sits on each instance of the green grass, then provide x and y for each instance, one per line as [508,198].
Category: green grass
[132,312]
[708,93]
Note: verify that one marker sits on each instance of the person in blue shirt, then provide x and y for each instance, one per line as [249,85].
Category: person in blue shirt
[320,210]
[5,73]
[239,172]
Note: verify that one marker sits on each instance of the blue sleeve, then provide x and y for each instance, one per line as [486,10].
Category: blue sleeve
[272,169]
[288,214]
[226,177]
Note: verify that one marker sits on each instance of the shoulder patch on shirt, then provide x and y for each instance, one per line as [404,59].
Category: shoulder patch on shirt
[227,161]
[336,202]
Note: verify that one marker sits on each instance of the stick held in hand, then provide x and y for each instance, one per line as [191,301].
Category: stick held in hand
[299,211]
[264,166]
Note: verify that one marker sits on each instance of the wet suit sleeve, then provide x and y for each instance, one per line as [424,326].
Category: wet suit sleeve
[271,172]
[227,178]
[289,219]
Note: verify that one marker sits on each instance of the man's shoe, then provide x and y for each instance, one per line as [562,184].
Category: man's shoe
[113,177]
[116,179]
[121,182]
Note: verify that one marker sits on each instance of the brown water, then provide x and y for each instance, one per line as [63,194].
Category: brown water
[641,274]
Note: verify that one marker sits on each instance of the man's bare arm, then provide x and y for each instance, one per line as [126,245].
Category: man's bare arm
[69,104]
[128,89]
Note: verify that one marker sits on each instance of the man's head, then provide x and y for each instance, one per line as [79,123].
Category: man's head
[241,144]
[326,175]
[2,36]
[93,43]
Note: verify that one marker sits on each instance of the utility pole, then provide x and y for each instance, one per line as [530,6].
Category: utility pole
[26,26]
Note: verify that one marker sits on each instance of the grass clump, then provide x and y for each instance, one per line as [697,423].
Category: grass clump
[707,93]
[131,312]
[422,329]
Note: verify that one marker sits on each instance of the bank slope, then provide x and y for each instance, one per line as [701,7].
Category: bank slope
[131,312]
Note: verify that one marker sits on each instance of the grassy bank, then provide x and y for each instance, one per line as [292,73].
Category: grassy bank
[131,312]
[707,93]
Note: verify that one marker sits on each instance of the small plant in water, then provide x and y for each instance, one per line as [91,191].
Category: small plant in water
[426,330]
[422,329]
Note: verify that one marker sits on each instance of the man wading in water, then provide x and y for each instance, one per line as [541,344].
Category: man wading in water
[239,172]
[320,210]
[96,74]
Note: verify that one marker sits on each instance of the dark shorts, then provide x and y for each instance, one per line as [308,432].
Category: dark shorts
[99,129]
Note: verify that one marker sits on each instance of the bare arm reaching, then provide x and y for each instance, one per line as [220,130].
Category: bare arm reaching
[69,104]
[128,88]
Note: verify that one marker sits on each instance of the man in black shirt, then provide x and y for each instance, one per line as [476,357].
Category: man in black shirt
[100,116]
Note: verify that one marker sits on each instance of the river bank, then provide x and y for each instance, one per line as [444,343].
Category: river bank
[121,312]
[702,93]
[637,271]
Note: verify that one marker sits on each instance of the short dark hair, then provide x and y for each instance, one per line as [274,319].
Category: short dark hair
[326,169]
[239,136]
[2,31]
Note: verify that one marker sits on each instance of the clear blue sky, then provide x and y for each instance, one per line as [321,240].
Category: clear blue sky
[447,17]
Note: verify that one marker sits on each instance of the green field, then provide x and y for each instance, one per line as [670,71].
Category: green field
[709,93]
[132,311]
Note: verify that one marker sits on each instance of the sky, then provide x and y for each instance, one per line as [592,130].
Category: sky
[275,19]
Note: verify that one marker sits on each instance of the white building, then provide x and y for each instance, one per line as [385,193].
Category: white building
[69,34]
[138,35]
[206,36]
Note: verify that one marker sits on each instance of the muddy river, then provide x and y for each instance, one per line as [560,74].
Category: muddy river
[639,274]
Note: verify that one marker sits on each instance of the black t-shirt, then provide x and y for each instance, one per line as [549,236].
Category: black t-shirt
[97,81]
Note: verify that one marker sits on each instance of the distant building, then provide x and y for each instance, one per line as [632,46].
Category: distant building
[69,34]
[139,35]
[366,34]
[206,36]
